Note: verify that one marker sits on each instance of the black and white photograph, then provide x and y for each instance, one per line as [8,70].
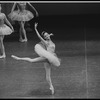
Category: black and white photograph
[50,49]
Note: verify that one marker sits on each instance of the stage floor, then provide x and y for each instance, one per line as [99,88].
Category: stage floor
[77,77]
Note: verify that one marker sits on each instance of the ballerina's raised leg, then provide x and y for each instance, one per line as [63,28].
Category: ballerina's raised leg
[34,60]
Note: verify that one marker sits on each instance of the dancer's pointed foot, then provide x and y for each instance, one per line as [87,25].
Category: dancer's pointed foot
[3,56]
[52,89]
[15,57]
[23,40]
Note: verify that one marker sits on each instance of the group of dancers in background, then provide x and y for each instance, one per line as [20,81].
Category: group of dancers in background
[45,48]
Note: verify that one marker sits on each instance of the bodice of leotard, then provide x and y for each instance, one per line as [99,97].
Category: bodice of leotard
[2,18]
[22,6]
[50,47]
[43,45]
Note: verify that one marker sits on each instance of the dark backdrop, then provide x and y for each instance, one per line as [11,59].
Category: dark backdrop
[66,20]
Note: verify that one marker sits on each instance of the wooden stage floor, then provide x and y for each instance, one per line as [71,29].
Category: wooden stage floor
[77,77]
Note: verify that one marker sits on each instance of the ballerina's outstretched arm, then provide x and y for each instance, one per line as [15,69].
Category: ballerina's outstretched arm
[14,5]
[36,24]
[7,21]
[34,60]
[34,9]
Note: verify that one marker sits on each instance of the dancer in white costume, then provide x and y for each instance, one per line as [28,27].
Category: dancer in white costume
[4,30]
[22,15]
[46,50]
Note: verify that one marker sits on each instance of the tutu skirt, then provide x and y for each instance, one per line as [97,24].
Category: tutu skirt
[51,57]
[5,30]
[17,15]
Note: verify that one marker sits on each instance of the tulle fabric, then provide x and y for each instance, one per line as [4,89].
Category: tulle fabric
[5,30]
[18,15]
[52,58]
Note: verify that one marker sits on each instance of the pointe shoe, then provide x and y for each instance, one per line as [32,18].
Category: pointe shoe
[52,89]
[3,56]
[23,40]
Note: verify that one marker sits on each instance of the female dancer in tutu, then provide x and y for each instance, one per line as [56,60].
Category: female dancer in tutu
[4,30]
[22,15]
[46,51]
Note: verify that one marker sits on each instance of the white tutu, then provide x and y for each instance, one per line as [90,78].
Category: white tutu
[52,58]
[13,15]
[5,30]
[18,15]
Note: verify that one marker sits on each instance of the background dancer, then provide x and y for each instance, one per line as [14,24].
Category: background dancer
[46,51]
[22,15]
[4,30]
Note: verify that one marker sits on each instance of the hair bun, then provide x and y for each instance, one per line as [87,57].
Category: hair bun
[43,32]
[51,34]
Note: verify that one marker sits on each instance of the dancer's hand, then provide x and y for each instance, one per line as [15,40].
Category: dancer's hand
[15,57]
[37,15]
[28,2]
[36,25]
[51,34]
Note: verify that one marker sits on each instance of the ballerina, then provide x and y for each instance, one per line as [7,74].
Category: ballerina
[4,30]
[46,51]
[22,15]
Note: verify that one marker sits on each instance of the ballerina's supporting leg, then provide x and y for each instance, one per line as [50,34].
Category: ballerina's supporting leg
[2,47]
[22,32]
[48,76]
